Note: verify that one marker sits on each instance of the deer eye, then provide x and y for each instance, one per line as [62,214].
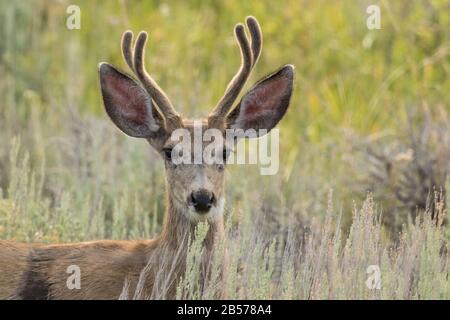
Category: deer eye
[168,154]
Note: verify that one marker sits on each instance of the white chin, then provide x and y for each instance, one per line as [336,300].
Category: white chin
[212,215]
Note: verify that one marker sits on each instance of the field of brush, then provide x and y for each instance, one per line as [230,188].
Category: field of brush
[364,153]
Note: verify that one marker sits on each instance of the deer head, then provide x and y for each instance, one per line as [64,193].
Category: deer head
[141,109]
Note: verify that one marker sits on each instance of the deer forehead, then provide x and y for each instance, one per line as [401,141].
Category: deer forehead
[196,130]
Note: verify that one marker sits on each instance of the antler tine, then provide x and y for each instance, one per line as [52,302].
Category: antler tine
[249,58]
[238,80]
[173,119]
[127,38]
[256,34]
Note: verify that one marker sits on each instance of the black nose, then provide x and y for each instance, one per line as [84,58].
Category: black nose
[202,200]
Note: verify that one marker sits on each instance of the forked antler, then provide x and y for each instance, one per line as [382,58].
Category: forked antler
[135,61]
[249,55]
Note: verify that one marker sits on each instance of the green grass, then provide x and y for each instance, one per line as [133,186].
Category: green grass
[67,174]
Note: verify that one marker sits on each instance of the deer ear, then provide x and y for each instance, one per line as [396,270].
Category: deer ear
[128,105]
[265,104]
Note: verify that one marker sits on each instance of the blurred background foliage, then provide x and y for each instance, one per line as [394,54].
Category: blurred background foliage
[67,174]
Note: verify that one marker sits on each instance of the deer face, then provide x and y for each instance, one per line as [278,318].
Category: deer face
[196,183]
[141,109]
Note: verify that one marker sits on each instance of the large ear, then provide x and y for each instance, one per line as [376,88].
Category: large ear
[265,104]
[128,105]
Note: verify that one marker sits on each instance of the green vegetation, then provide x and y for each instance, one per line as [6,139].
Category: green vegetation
[369,114]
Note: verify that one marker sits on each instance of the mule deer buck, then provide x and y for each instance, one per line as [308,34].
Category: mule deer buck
[195,192]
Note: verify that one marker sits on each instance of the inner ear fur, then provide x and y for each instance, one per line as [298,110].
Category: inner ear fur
[265,104]
[128,104]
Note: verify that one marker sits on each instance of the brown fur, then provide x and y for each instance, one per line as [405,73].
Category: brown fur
[104,265]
